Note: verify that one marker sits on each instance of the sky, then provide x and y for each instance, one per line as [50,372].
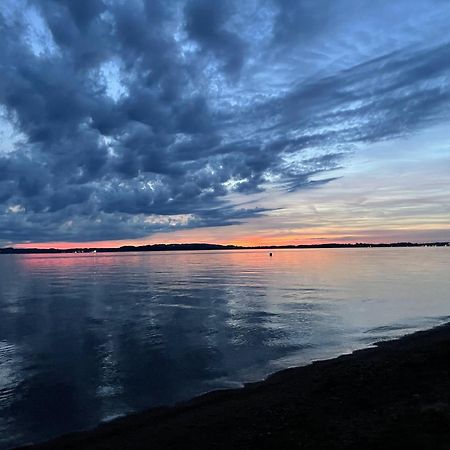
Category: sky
[254,123]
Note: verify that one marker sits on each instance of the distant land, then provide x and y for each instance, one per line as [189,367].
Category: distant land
[199,246]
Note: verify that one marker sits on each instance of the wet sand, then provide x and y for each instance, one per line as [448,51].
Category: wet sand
[393,396]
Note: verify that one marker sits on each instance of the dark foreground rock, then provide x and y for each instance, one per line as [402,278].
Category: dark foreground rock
[394,396]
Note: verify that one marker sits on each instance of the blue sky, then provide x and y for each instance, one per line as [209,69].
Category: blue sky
[263,121]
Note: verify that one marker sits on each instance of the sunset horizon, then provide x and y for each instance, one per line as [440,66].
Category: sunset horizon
[243,243]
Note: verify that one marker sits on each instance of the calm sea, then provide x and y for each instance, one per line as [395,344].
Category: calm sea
[86,338]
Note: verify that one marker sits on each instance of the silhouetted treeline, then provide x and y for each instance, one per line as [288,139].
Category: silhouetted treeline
[172,247]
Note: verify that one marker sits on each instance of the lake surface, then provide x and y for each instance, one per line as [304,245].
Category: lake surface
[85,338]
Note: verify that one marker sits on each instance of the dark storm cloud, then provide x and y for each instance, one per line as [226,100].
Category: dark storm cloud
[301,20]
[206,24]
[142,116]
[382,98]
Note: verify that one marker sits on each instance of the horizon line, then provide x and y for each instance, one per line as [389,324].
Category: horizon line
[212,246]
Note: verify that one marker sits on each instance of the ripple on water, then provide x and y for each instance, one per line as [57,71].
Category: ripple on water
[8,373]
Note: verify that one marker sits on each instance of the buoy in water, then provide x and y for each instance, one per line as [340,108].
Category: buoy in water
[270,254]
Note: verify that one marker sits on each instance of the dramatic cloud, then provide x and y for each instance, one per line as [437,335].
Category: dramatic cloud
[122,119]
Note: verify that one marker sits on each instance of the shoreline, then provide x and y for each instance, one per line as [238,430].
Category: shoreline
[205,247]
[393,395]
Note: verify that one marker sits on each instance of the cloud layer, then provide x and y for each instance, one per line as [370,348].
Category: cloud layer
[122,119]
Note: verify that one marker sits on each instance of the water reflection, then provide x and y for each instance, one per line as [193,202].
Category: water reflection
[84,338]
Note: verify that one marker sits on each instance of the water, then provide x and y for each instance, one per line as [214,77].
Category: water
[85,338]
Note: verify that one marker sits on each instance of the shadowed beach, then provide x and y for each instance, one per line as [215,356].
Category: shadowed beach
[393,396]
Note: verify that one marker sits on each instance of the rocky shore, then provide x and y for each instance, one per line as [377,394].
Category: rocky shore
[393,396]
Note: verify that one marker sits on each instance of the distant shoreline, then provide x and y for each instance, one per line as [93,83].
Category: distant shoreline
[393,396]
[202,247]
